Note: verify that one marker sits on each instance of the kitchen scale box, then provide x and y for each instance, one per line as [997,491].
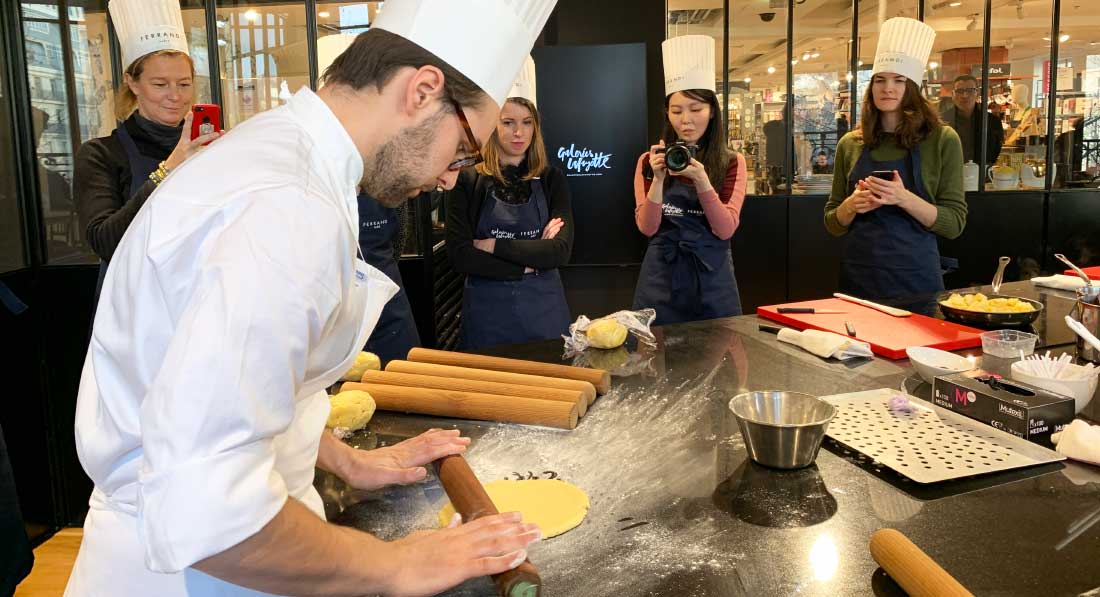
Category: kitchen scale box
[1017,408]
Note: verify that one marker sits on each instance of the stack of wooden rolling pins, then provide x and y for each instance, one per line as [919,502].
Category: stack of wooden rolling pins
[470,386]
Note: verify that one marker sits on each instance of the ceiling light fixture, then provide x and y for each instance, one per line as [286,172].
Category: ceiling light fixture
[933,64]
[805,56]
[771,70]
[1063,38]
[748,79]
[815,55]
[251,14]
[323,14]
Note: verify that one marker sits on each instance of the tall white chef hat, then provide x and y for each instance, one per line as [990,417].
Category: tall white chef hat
[903,47]
[486,40]
[524,85]
[331,46]
[146,26]
[689,63]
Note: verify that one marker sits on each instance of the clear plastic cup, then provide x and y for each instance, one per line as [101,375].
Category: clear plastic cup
[1008,344]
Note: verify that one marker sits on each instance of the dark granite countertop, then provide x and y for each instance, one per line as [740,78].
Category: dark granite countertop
[678,509]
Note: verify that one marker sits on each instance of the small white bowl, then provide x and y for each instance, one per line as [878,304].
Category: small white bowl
[932,362]
[1081,390]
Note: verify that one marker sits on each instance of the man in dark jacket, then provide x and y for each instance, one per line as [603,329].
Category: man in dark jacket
[962,115]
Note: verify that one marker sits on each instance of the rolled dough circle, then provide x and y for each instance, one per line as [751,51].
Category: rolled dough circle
[555,506]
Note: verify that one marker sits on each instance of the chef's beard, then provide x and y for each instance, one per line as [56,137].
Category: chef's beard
[392,175]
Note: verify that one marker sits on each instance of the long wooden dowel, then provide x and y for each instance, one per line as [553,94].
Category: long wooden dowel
[597,377]
[471,501]
[587,388]
[392,378]
[470,405]
[911,568]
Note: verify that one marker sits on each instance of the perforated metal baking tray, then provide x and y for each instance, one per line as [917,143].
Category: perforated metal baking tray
[930,444]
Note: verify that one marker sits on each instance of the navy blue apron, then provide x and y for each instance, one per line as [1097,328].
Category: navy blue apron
[395,333]
[513,311]
[141,166]
[687,272]
[887,253]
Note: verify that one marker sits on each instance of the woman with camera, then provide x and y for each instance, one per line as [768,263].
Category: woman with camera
[688,191]
[897,181]
[114,175]
[509,228]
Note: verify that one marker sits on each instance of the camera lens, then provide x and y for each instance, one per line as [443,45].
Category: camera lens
[677,158]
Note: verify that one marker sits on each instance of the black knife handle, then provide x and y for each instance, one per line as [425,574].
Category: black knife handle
[771,329]
[795,309]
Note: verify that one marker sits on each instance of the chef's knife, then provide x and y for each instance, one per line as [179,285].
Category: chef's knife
[887,310]
[810,310]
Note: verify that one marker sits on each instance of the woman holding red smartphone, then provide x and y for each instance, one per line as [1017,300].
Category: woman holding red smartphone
[897,180]
[114,175]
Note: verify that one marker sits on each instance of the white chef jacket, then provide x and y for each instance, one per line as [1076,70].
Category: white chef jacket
[234,299]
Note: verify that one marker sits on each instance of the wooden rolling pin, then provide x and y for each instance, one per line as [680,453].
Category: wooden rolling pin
[470,405]
[597,377]
[470,500]
[911,568]
[392,378]
[584,387]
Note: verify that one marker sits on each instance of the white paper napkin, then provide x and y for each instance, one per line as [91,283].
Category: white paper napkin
[1059,282]
[1079,441]
[826,344]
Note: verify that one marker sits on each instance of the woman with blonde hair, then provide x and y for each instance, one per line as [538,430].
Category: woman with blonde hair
[114,175]
[509,229]
[897,180]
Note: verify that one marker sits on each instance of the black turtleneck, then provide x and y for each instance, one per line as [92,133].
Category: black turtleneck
[101,181]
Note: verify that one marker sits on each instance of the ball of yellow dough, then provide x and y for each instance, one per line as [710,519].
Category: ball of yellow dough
[364,361]
[606,333]
[351,410]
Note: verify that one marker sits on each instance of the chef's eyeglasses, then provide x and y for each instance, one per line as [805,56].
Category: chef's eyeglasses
[472,160]
[966,91]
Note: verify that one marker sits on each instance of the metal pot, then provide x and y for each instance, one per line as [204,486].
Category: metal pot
[1087,311]
[782,429]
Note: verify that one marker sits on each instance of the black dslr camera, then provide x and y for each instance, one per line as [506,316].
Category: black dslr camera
[678,155]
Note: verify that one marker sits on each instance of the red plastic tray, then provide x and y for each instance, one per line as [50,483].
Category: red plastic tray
[888,336]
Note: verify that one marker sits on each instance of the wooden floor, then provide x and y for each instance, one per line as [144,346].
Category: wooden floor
[53,561]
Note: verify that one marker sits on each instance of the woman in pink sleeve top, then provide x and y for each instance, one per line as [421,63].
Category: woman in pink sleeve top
[689,206]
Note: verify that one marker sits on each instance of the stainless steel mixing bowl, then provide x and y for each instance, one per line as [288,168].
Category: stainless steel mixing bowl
[782,429]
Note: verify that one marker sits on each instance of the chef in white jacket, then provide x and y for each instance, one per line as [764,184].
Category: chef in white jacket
[236,297]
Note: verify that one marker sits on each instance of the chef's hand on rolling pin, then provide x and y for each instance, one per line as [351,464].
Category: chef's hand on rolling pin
[860,201]
[186,147]
[403,463]
[433,561]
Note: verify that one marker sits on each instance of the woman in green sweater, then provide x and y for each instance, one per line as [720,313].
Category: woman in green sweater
[897,181]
